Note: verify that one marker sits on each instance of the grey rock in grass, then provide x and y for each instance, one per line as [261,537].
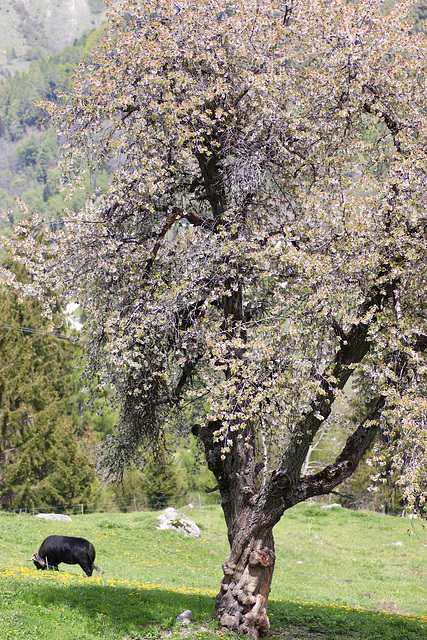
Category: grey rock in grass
[172,519]
[185,617]
[53,516]
[334,505]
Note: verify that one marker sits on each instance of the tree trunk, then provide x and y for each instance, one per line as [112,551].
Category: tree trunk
[241,604]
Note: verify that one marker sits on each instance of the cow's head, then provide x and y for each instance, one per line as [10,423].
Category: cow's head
[39,562]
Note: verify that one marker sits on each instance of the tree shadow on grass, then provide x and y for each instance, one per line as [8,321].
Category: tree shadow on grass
[314,621]
[118,611]
[138,612]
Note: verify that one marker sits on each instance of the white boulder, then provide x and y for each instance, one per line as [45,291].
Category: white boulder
[172,519]
[333,505]
[53,516]
[185,617]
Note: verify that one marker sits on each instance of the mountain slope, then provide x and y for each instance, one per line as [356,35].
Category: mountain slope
[30,29]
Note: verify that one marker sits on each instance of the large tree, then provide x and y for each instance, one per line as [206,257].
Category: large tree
[262,247]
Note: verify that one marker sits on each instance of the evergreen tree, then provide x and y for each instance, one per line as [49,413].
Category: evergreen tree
[160,480]
[43,461]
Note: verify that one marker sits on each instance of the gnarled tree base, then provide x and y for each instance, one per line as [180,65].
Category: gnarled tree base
[241,604]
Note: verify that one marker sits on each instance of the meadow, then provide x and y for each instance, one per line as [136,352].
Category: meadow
[339,576]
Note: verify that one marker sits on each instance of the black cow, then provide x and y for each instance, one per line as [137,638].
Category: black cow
[57,549]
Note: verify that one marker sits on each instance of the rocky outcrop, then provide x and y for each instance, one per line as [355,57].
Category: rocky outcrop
[172,519]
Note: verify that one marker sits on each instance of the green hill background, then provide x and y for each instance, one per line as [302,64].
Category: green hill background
[31,29]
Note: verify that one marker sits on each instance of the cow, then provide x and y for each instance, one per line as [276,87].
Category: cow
[57,549]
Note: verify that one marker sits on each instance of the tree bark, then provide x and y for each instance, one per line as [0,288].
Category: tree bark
[241,604]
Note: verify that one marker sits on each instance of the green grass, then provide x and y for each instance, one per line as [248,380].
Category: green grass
[336,578]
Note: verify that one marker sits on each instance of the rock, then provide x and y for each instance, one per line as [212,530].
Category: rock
[185,617]
[332,506]
[388,607]
[53,516]
[172,519]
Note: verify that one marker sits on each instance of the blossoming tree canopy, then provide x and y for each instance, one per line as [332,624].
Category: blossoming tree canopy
[262,246]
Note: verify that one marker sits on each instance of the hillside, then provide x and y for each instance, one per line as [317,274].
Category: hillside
[30,29]
[339,575]
[29,150]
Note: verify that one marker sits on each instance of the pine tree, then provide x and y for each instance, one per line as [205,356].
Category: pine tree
[44,462]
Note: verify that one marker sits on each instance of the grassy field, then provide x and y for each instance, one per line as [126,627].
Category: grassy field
[339,576]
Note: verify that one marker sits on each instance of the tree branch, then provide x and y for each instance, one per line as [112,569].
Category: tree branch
[345,464]
[353,347]
[392,125]
[186,373]
[193,218]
